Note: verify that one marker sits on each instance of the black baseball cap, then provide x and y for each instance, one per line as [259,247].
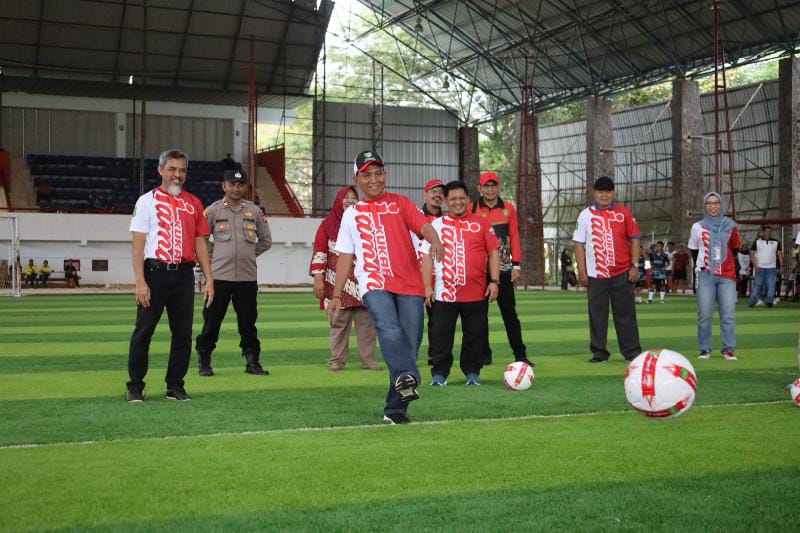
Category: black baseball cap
[364,159]
[235,175]
[604,183]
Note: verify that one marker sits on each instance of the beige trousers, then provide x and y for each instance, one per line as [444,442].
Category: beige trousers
[340,337]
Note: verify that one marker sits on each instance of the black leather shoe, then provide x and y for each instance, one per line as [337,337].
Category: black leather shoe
[255,368]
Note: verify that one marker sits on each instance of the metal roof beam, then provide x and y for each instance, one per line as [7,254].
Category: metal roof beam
[420,8]
[235,45]
[38,38]
[182,48]
[120,32]
[416,86]
[280,53]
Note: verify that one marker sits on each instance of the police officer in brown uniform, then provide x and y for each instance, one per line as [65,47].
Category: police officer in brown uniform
[240,234]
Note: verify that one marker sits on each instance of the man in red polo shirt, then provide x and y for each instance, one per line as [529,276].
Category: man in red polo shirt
[169,234]
[606,243]
[502,215]
[376,233]
[461,288]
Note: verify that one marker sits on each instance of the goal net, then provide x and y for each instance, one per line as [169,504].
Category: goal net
[10,268]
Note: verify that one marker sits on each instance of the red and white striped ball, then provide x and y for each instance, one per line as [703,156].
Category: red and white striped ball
[518,376]
[794,391]
[660,384]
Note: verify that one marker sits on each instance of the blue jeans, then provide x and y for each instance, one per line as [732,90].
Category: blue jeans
[398,322]
[764,277]
[713,290]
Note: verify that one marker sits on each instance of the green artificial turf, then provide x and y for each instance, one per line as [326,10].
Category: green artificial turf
[304,449]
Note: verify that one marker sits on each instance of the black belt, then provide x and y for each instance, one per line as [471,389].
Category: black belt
[160,265]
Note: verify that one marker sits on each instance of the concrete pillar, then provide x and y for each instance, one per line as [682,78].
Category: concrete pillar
[529,202]
[687,158]
[469,165]
[599,142]
[789,146]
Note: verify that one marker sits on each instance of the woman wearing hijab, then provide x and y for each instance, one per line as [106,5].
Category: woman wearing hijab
[714,243]
[323,269]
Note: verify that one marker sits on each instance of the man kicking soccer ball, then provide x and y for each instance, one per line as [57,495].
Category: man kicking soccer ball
[376,233]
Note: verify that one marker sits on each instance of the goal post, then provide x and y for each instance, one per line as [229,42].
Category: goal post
[10,266]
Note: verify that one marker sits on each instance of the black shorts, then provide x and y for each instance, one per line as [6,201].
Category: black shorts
[658,283]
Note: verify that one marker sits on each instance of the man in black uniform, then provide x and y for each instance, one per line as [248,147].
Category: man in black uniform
[240,234]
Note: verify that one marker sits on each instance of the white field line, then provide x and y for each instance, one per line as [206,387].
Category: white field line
[357,427]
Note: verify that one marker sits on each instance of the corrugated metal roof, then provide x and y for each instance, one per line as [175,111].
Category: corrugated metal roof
[569,50]
[190,44]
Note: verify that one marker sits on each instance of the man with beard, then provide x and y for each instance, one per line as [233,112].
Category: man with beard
[169,235]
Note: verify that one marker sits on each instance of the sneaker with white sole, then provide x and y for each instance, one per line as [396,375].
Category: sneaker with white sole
[473,379]
[437,380]
[396,419]
[134,396]
[179,395]
[759,303]
[704,354]
[406,387]
[729,355]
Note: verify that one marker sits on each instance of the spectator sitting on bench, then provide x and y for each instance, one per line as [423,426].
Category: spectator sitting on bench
[44,273]
[71,275]
[30,274]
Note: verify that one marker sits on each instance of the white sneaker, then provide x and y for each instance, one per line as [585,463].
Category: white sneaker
[759,303]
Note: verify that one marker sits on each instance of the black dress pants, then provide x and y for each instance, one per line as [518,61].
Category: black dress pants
[619,291]
[507,302]
[244,295]
[474,329]
[173,290]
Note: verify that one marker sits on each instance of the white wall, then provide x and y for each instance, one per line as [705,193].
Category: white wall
[56,237]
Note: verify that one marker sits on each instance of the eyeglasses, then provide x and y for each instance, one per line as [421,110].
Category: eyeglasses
[713,203]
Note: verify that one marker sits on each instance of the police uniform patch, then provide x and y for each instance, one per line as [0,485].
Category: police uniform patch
[248,213]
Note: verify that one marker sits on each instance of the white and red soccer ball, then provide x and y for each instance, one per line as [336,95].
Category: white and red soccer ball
[660,384]
[794,391]
[518,376]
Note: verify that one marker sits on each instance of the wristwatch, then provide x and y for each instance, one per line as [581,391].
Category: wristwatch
[495,281]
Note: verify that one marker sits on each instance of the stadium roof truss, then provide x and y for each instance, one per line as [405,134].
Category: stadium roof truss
[570,49]
[185,50]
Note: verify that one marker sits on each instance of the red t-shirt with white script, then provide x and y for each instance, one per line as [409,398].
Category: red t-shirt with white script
[377,232]
[700,240]
[171,224]
[467,241]
[606,233]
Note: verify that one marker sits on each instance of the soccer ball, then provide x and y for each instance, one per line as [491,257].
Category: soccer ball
[660,384]
[518,376]
[794,391]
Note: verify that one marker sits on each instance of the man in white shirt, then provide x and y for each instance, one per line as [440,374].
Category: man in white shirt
[765,255]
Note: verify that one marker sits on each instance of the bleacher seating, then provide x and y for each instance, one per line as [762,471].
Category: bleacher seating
[110,184]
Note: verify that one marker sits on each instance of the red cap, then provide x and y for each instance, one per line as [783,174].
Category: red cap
[486,177]
[431,184]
